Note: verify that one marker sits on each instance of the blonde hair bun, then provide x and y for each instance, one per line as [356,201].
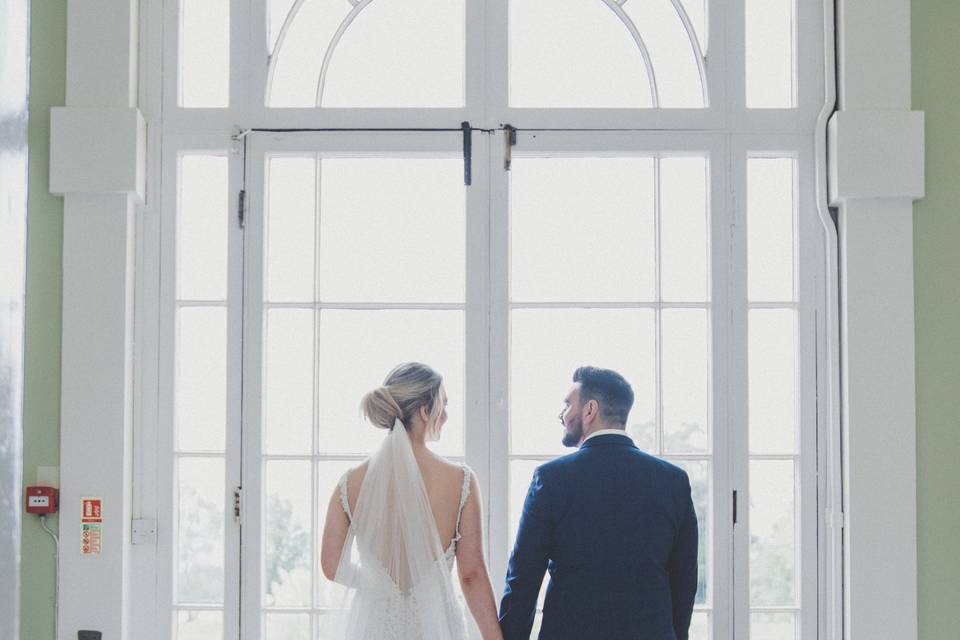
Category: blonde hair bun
[380,408]
[408,387]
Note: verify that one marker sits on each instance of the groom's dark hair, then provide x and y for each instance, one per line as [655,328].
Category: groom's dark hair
[610,389]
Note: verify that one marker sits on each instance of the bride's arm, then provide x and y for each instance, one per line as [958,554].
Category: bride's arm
[334,536]
[472,568]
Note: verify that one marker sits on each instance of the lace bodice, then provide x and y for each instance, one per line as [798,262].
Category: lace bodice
[450,553]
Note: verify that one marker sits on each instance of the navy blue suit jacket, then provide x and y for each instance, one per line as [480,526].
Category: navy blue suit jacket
[617,531]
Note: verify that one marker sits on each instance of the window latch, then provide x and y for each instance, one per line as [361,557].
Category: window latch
[467,153]
[510,137]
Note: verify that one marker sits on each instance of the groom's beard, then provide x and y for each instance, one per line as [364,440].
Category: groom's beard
[573,432]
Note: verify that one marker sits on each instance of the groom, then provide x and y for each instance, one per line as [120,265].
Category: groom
[614,526]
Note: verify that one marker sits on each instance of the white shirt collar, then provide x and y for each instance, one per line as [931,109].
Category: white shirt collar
[607,432]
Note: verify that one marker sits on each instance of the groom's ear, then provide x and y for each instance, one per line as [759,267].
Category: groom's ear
[593,408]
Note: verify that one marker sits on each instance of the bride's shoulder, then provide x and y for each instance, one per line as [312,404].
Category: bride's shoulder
[451,466]
[355,475]
[450,470]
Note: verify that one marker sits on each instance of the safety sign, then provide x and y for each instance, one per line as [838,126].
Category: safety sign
[91,526]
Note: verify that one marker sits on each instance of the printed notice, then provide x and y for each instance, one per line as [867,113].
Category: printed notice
[91,525]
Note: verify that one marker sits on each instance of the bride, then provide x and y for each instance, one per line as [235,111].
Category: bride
[396,523]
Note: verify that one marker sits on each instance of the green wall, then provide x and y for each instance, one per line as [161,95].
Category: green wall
[936,90]
[936,228]
[41,438]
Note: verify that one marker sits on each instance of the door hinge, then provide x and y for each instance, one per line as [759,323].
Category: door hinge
[242,207]
[237,495]
[510,136]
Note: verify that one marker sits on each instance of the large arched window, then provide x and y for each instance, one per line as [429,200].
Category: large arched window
[633,187]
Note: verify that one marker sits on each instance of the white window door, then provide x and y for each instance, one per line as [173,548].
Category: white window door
[363,250]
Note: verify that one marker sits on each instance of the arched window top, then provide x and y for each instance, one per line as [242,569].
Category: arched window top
[368,53]
[561,53]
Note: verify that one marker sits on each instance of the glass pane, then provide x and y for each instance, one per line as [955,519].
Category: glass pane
[683,230]
[286,626]
[400,53]
[773,626]
[542,365]
[697,12]
[770,229]
[700,626]
[277,11]
[202,228]
[357,351]
[329,594]
[198,625]
[288,381]
[204,53]
[521,473]
[290,229]
[569,53]
[199,536]
[773,533]
[287,533]
[671,51]
[773,381]
[699,473]
[644,433]
[298,59]
[770,54]
[385,236]
[685,371]
[582,229]
[200,391]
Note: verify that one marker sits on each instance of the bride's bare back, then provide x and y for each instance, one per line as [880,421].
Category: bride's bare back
[444,482]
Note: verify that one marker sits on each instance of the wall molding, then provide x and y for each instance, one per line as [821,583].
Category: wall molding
[98,150]
[875,153]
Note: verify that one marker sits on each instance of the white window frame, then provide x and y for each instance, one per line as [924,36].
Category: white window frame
[176,146]
[727,347]
[486,95]
[486,83]
[206,121]
[812,379]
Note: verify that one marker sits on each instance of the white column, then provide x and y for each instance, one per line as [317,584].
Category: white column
[876,171]
[97,155]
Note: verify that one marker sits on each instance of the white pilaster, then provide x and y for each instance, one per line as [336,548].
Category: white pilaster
[98,300]
[874,198]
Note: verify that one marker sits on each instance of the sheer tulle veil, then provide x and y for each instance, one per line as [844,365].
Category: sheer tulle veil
[393,574]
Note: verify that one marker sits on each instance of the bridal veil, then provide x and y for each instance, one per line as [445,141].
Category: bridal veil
[394,573]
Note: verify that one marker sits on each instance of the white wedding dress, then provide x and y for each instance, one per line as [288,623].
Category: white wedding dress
[395,574]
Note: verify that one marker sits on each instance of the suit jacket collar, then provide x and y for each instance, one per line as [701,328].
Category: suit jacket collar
[609,439]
